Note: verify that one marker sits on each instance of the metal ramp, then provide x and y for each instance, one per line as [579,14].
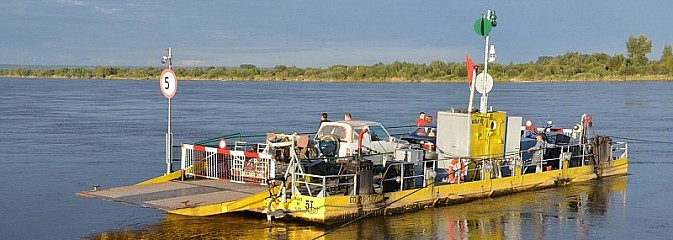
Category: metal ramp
[194,198]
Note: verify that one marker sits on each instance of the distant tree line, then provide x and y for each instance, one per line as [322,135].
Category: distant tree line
[569,66]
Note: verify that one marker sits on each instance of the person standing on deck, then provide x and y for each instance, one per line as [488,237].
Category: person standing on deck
[348,117]
[421,120]
[428,119]
[538,151]
[323,118]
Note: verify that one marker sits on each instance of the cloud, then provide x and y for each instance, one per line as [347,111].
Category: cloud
[189,63]
[100,9]
[107,10]
[71,2]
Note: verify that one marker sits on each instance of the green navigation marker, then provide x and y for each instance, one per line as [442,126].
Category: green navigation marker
[482,26]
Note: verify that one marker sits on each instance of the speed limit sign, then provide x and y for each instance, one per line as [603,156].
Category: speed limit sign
[168,83]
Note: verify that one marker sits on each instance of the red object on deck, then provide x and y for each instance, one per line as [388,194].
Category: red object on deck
[360,140]
[529,125]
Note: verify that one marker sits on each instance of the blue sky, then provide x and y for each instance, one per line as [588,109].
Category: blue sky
[310,33]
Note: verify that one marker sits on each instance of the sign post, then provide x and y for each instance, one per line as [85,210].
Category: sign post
[168,83]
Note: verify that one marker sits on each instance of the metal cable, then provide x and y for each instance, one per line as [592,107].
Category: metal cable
[643,140]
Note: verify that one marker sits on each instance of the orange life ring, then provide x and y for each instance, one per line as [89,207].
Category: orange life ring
[456,171]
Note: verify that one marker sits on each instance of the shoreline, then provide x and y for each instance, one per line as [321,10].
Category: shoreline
[393,80]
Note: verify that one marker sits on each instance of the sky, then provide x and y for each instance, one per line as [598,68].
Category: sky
[313,33]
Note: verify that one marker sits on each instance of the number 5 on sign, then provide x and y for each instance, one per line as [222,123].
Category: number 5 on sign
[168,83]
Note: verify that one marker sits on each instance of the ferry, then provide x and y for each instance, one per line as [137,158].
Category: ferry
[353,169]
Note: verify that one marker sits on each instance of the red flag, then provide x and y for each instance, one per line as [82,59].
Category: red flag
[470,70]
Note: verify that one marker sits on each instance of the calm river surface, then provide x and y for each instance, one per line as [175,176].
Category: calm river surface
[59,137]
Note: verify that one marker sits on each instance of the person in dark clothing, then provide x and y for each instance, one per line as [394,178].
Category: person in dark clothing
[323,118]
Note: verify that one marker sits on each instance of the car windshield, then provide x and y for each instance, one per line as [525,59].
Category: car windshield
[378,133]
[338,131]
[356,132]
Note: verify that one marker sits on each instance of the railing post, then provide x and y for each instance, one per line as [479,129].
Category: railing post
[294,183]
[483,166]
[355,184]
[402,177]
[584,153]
[183,151]
[518,168]
[324,185]
[425,173]
[215,163]
[272,168]
[460,169]
[560,162]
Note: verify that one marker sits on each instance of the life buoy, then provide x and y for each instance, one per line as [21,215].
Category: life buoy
[456,171]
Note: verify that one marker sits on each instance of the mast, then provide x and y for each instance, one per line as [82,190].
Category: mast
[484,82]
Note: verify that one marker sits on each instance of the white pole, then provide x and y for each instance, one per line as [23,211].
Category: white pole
[474,77]
[484,95]
[169,141]
[169,134]
[469,108]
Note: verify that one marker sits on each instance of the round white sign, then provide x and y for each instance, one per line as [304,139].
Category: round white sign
[168,83]
[483,84]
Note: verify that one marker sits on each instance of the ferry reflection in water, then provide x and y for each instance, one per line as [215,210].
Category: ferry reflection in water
[573,212]
[559,213]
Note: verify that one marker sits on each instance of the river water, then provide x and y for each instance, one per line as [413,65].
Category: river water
[59,137]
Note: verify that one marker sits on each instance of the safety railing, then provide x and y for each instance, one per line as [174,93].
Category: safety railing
[406,181]
[459,170]
[620,150]
[223,164]
[448,171]
[322,186]
[451,170]
[576,155]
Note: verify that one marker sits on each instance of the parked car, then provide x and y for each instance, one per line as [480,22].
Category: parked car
[340,139]
[422,135]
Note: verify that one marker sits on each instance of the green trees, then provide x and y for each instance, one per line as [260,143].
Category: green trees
[101,72]
[616,63]
[667,53]
[569,66]
[637,48]
[667,58]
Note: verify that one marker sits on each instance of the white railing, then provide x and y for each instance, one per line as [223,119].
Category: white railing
[446,171]
[620,149]
[236,166]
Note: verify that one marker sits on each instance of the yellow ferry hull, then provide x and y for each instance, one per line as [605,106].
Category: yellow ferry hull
[212,197]
[332,209]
